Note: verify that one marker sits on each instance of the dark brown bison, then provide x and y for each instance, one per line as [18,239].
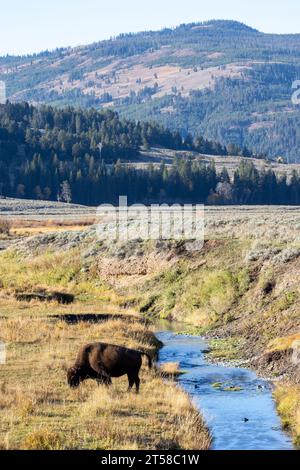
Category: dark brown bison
[101,362]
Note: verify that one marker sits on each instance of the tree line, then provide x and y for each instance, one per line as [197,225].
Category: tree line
[81,156]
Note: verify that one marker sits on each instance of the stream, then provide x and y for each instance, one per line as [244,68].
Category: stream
[237,405]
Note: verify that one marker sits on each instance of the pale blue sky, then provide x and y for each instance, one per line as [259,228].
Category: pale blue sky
[35,25]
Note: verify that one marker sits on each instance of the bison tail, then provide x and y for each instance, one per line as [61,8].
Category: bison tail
[149,360]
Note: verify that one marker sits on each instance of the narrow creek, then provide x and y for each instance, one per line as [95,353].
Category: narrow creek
[237,405]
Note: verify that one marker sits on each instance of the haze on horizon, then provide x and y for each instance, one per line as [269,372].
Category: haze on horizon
[35,26]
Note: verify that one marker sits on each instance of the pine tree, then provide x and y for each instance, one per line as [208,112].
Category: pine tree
[65,192]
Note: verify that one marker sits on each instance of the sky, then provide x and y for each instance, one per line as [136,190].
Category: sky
[34,25]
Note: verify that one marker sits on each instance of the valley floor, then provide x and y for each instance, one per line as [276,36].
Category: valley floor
[242,289]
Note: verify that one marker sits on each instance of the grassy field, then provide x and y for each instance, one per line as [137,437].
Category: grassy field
[37,408]
[242,287]
[39,411]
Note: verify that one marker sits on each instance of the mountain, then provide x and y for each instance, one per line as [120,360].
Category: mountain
[220,79]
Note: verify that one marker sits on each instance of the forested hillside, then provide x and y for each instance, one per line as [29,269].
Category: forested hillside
[82,156]
[221,79]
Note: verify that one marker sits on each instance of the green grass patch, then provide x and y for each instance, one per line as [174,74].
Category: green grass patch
[228,348]
[232,389]
[201,296]
[217,385]
[61,271]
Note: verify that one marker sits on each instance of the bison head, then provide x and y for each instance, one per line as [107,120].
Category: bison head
[73,377]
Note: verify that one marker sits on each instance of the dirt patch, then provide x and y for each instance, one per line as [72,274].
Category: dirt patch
[139,260]
[43,296]
[268,287]
[73,319]
[278,363]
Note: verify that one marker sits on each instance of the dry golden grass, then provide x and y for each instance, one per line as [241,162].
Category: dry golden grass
[170,370]
[39,411]
[283,344]
[288,404]
[31,231]
[80,221]
[30,227]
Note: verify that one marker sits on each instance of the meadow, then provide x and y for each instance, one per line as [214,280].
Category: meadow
[39,411]
[241,288]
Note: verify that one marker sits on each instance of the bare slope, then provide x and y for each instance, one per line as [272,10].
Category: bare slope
[156,156]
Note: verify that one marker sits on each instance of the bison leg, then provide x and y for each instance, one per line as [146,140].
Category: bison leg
[102,376]
[137,383]
[131,382]
[103,380]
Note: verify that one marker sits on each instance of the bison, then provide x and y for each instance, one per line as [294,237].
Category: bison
[101,362]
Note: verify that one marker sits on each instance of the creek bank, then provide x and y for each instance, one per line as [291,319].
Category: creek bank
[236,404]
[278,367]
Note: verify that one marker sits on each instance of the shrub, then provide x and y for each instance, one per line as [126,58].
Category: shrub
[290,254]
[5,226]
